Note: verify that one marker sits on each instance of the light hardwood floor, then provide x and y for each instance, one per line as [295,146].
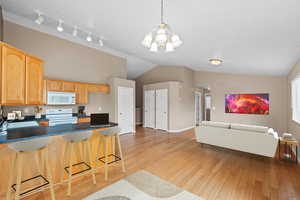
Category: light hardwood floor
[210,172]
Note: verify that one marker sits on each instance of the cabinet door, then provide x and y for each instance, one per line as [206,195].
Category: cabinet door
[98,88]
[149,108]
[34,81]
[54,85]
[161,110]
[81,93]
[68,86]
[13,77]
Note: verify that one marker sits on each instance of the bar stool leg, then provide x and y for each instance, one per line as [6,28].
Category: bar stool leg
[19,174]
[49,173]
[113,142]
[11,175]
[70,168]
[121,153]
[106,158]
[89,156]
[65,154]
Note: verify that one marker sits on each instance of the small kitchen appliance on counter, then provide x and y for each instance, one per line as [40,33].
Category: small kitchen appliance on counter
[60,116]
[81,112]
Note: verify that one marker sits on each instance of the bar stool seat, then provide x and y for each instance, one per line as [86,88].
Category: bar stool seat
[77,142]
[76,137]
[30,145]
[106,135]
[39,147]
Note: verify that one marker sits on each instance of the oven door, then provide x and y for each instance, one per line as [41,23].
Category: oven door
[61,98]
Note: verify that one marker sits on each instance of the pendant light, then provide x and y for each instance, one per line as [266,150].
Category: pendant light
[162,37]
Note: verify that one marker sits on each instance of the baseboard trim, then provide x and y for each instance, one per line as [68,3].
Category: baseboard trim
[138,123]
[181,130]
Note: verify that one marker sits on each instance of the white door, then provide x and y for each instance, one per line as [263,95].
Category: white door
[161,100]
[149,108]
[125,109]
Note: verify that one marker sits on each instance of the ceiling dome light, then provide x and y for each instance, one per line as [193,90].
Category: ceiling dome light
[215,61]
[40,19]
[89,37]
[75,31]
[59,27]
[162,37]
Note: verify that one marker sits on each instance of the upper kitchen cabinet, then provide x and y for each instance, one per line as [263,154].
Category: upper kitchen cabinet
[98,88]
[21,77]
[54,85]
[13,68]
[81,93]
[34,81]
[68,86]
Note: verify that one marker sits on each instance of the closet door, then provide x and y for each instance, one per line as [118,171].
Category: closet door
[125,109]
[149,109]
[161,100]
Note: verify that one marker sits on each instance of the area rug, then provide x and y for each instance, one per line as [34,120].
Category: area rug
[142,185]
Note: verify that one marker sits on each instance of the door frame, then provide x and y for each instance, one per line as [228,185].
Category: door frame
[200,106]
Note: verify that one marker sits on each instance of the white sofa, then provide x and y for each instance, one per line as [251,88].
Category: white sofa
[259,140]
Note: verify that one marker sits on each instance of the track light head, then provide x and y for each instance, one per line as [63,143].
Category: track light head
[40,19]
[75,31]
[60,27]
[89,37]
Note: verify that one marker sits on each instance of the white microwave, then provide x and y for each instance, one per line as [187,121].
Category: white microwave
[61,98]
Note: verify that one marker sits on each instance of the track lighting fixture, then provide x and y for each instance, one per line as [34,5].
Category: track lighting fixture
[76,32]
[59,27]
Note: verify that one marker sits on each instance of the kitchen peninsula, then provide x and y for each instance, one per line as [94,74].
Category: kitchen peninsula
[28,133]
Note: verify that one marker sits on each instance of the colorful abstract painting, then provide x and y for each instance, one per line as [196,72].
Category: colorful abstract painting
[247,103]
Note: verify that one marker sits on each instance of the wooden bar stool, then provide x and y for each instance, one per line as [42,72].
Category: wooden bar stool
[113,135]
[38,147]
[79,144]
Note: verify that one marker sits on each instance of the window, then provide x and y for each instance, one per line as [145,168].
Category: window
[295,97]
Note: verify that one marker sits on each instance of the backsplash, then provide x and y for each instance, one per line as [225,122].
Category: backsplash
[30,110]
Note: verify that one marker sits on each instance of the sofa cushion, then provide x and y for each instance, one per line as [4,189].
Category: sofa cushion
[216,124]
[261,129]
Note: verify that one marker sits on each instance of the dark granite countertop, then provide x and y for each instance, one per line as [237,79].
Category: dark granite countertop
[21,134]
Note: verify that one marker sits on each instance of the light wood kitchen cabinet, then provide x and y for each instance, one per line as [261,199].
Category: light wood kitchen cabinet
[68,86]
[12,76]
[54,85]
[81,93]
[98,88]
[34,81]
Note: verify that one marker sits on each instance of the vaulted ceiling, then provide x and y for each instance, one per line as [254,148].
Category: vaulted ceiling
[251,36]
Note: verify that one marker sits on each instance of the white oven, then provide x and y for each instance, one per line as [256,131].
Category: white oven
[61,98]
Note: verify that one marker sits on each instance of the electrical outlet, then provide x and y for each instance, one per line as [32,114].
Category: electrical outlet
[99,108]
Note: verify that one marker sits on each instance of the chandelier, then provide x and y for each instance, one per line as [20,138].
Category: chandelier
[162,37]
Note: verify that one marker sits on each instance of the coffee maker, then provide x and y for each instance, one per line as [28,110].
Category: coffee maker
[81,112]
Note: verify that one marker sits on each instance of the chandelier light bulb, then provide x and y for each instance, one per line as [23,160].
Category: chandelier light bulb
[169,47]
[40,19]
[75,31]
[147,40]
[154,47]
[89,38]
[60,27]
